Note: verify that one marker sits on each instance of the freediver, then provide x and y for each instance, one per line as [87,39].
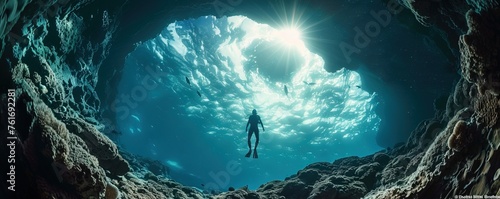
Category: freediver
[253,121]
[187,81]
[286,91]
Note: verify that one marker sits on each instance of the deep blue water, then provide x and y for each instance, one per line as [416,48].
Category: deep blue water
[193,87]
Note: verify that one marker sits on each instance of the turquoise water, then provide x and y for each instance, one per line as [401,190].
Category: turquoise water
[195,84]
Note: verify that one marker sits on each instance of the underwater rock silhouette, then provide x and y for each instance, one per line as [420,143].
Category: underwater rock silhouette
[62,153]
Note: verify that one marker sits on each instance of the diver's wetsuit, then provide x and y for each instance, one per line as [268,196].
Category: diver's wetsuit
[254,120]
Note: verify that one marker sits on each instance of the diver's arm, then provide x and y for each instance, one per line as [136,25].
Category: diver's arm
[262,124]
[246,128]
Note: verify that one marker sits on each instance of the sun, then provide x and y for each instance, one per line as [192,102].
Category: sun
[290,37]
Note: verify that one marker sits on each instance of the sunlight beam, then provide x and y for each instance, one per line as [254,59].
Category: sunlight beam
[291,37]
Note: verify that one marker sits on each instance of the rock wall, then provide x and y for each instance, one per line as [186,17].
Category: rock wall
[59,152]
[62,152]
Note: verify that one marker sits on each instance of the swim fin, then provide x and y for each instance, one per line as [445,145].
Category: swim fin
[255,154]
[249,153]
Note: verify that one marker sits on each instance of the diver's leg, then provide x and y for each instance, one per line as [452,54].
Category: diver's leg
[249,144]
[250,132]
[256,139]
[256,144]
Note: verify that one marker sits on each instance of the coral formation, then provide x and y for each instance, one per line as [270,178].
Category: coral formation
[143,166]
[112,191]
[459,137]
[479,50]
[103,148]
[49,145]
[486,108]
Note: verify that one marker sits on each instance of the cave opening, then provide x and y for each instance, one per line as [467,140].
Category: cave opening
[186,96]
[121,90]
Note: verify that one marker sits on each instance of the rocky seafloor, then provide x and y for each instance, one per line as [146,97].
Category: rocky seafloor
[62,151]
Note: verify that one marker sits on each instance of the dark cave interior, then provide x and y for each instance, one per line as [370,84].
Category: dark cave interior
[440,124]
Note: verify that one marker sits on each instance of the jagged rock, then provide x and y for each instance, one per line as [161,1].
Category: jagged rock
[423,134]
[413,164]
[51,132]
[239,194]
[62,159]
[158,168]
[486,107]
[116,166]
[394,170]
[139,163]
[479,50]
[341,187]
[100,145]
[320,166]
[83,171]
[431,131]
[150,176]
[440,103]
[368,174]
[308,176]
[461,94]
[295,189]
[347,166]
[132,187]
[381,158]
[350,161]
[439,161]
[270,186]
